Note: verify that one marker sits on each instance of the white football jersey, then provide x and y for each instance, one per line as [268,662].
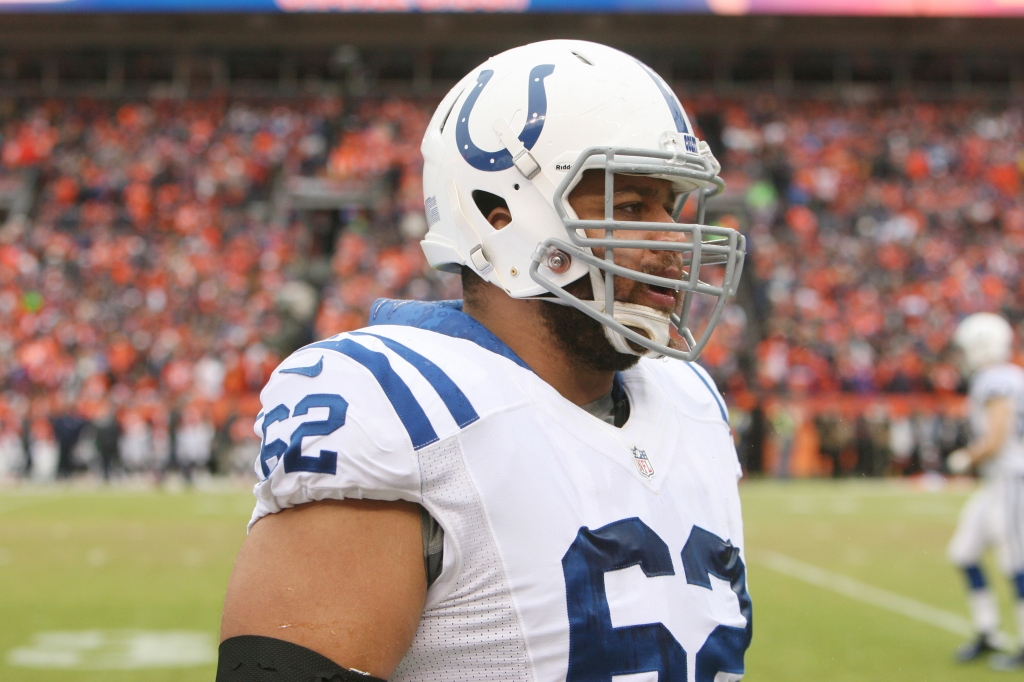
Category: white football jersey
[573,550]
[999,381]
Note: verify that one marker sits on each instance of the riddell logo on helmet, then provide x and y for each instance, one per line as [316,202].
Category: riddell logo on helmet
[563,166]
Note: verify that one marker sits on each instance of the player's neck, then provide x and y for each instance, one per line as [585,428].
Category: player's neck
[519,324]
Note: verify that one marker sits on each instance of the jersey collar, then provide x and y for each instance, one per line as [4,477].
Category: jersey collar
[443,317]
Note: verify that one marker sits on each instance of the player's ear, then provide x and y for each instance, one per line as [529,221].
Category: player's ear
[499,218]
[492,207]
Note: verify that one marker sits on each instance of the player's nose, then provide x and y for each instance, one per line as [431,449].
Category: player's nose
[660,214]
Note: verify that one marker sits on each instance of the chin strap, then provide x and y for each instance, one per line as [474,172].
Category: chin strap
[652,323]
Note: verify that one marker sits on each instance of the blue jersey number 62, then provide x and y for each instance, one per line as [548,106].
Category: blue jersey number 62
[290,454]
[598,651]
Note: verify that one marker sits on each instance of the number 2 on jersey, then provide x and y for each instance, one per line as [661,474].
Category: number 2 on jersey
[598,651]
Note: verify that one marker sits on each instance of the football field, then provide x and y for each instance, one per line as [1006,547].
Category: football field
[849,582]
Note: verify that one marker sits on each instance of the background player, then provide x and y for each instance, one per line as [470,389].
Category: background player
[995,512]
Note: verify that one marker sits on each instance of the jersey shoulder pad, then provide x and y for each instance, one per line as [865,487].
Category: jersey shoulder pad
[690,388]
[348,415]
[344,418]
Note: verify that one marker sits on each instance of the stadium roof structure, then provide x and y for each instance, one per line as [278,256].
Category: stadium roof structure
[490,33]
[160,54]
[907,8]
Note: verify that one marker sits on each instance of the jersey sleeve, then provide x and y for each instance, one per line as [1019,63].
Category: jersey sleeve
[330,431]
[997,382]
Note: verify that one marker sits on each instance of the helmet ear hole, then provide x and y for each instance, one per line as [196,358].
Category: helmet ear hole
[487,202]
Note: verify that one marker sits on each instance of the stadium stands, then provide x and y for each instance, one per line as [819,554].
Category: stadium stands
[164,267]
[161,268]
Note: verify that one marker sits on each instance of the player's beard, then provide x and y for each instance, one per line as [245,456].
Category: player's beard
[580,336]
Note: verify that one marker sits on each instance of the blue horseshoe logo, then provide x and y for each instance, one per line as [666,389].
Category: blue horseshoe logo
[538,109]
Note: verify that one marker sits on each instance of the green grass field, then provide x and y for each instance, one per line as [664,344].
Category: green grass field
[148,561]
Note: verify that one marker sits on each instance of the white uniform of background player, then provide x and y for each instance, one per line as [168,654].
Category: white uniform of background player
[573,549]
[994,515]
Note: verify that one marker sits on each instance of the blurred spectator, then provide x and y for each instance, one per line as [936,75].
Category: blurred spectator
[135,445]
[926,427]
[194,442]
[163,440]
[13,463]
[901,443]
[864,445]
[44,454]
[752,444]
[67,428]
[876,422]
[245,447]
[108,439]
[747,420]
[952,434]
[220,460]
[785,419]
[833,438]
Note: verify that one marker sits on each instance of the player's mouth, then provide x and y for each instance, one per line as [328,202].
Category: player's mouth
[659,297]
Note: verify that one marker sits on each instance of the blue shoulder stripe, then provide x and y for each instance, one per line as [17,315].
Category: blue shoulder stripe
[413,418]
[454,399]
[714,393]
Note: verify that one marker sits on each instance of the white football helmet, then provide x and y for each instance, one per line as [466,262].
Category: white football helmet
[985,338]
[576,106]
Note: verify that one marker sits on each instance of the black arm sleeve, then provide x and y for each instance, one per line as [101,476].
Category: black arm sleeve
[250,658]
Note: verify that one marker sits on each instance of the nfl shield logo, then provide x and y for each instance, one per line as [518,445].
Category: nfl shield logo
[643,465]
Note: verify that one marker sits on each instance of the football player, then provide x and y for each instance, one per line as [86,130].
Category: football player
[995,512]
[534,483]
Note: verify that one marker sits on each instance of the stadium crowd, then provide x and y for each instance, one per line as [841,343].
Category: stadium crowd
[874,230]
[161,277]
[162,273]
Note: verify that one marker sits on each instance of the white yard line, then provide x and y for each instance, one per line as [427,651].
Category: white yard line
[854,589]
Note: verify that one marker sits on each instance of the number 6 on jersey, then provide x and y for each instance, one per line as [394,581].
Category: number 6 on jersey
[598,651]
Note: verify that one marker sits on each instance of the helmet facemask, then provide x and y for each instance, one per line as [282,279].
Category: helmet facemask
[708,259]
